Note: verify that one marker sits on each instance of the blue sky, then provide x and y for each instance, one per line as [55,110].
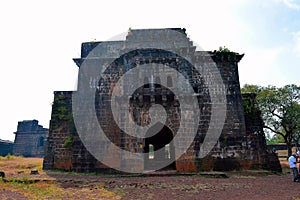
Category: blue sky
[40,38]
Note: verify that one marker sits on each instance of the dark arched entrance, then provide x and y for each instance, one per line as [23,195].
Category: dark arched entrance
[160,149]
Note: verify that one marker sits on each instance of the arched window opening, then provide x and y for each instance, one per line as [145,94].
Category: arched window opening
[151,151]
[41,142]
[146,82]
[157,82]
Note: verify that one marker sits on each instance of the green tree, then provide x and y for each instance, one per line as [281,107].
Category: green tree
[251,89]
[280,109]
[274,139]
[223,49]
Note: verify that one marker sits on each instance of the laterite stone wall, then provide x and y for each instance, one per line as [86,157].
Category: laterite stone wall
[234,148]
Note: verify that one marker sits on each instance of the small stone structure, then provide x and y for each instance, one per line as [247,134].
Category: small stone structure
[6,147]
[30,139]
[234,149]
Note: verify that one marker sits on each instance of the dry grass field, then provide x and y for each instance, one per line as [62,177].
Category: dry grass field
[19,183]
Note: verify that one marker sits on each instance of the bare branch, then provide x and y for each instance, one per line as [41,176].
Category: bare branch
[273,130]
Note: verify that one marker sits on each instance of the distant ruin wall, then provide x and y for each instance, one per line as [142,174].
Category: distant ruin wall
[6,147]
[30,139]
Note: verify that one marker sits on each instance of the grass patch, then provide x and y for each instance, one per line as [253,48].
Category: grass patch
[42,190]
[14,165]
[9,157]
[18,179]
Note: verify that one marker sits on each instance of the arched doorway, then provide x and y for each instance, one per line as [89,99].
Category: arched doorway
[160,149]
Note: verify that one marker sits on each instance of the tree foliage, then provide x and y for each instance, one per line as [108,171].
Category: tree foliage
[280,109]
[274,139]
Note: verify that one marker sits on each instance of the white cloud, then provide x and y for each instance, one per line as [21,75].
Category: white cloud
[294,4]
[259,66]
[37,46]
[296,38]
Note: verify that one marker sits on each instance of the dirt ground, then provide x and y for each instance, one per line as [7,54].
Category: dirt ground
[196,187]
[61,185]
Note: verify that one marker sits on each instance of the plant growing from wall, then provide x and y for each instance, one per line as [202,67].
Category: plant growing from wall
[62,116]
[69,142]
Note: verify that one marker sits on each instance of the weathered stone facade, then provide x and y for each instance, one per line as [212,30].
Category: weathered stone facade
[65,150]
[30,139]
[6,147]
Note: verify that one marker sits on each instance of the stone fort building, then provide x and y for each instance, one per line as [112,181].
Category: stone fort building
[241,144]
[30,139]
[6,147]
